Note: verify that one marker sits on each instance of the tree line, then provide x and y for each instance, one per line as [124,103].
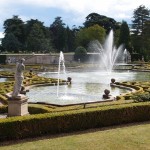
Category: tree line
[33,36]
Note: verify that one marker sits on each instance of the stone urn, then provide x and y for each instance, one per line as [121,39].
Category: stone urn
[106,94]
[69,80]
[112,80]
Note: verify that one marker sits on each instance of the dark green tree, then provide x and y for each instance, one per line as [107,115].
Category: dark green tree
[10,43]
[58,31]
[29,24]
[124,36]
[43,36]
[103,21]
[70,40]
[146,39]
[36,40]
[15,26]
[140,16]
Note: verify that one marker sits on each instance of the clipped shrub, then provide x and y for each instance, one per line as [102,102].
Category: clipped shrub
[120,98]
[80,54]
[38,109]
[127,96]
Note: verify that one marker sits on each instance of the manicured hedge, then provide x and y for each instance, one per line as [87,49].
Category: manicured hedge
[33,109]
[38,109]
[52,123]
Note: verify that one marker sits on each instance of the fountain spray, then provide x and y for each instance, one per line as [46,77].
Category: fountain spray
[61,62]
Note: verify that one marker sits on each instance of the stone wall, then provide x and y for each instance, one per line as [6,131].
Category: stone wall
[38,58]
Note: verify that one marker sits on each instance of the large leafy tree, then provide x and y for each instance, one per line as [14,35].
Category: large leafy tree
[15,26]
[58,32]
[70,40]
[37,36]
[106,22]
[124,36]
[146,39]
[10,43]
[92,33]
[140,16]
[36,40]
[29,24]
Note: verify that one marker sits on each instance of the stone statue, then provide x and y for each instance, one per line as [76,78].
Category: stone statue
[20,67]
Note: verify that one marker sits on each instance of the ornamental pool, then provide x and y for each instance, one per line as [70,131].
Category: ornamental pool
[87,86]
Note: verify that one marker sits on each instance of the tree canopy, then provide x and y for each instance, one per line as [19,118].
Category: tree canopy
[124,36]
[33,35]
[91,33]
[103,21]
[141,15]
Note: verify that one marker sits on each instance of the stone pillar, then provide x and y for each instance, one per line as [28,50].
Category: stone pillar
[18,106]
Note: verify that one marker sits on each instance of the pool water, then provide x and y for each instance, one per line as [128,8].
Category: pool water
[87,86]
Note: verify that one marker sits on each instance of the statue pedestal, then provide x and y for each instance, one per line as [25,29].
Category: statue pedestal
[18,106]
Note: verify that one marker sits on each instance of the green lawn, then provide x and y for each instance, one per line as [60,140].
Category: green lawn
[132,137]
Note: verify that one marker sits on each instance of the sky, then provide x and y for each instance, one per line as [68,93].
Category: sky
[73,12]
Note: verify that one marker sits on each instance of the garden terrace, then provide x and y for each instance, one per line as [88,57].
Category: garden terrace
[48,119]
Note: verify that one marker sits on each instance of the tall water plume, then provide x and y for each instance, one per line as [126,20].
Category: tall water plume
[61,63]
[109,54]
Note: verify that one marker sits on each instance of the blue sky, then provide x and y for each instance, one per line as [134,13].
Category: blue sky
[73,12]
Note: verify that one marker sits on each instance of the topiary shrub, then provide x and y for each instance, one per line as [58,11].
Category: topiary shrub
[80,54]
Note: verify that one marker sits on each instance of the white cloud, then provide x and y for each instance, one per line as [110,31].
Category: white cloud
[83,5]
[118,9]
[75,10]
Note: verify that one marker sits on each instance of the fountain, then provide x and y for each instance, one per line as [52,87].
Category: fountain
[61,62]
[109,54]
[126,55]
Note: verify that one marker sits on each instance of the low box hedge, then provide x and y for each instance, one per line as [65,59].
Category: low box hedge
[33,109]
[59,122]
[39,109]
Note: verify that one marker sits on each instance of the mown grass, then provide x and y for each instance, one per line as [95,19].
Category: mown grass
[131,137]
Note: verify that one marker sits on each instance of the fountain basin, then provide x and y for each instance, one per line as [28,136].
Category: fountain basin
[86,87]
[70,99]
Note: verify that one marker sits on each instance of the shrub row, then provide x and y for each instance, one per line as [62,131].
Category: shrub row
[33,109]
[39,109]
[60,122]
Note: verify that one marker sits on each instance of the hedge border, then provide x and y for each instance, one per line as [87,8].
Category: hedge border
[61,122]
